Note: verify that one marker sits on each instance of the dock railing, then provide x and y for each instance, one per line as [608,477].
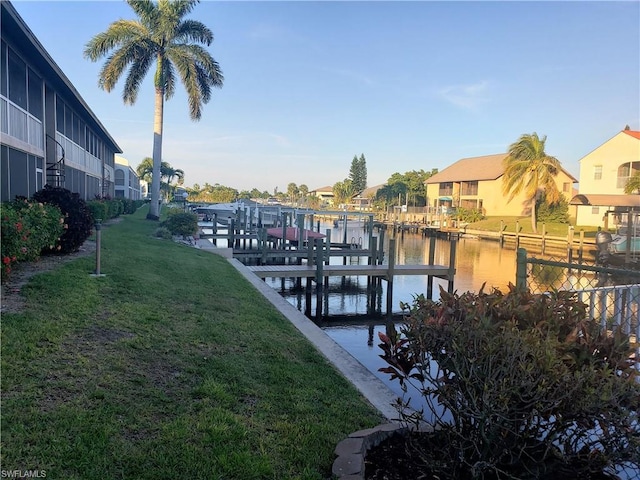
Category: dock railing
[612,295]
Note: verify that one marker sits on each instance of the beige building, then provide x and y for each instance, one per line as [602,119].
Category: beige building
[476,183]
[325,194]
[127,182]
[364,200]
[604,172]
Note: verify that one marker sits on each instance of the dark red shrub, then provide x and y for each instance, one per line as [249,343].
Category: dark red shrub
[77,216]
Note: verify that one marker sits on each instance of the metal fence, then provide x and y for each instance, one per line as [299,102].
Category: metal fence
[612,295]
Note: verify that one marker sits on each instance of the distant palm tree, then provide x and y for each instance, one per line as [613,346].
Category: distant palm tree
[343,191]
[529,169]
[168,172]
[633,184]
[162,36]
[145,169]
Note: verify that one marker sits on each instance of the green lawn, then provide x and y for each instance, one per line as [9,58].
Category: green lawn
[524,224]
[171,366]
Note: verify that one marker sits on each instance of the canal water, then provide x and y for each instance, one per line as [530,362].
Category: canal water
[477,262]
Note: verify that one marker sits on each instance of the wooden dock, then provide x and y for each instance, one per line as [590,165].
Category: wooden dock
[311,271]
[302,253]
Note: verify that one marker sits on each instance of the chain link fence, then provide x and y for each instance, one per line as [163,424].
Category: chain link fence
[612,295]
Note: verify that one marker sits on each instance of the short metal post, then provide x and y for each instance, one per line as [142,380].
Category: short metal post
[98,226]
[98,241]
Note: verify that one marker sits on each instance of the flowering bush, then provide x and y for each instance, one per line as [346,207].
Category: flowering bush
[28,228]
[78,223]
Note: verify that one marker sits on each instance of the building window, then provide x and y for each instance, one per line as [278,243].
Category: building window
[17,80]
[35,95]
[60,116]
[625,172]
[3,69]
[119,177]
[68,122]
[446,189]
[566,187]
[597,172]
[595,210]
[469,188]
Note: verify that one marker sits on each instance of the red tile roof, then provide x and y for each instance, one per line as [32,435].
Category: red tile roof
[632,133]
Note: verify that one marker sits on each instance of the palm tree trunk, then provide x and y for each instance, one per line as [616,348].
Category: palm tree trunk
[154,209]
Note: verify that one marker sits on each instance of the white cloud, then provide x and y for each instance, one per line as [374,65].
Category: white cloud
[468,97]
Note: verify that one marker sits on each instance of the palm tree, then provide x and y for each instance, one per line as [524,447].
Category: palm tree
[528,169]
[145,169]
[633,184]
[292,191]
[343,191]
[168,172]
[162,36]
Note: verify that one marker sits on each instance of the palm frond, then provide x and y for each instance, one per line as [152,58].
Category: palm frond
[119,33]
[147,11]
[169,79]
[193,31]
[137,73]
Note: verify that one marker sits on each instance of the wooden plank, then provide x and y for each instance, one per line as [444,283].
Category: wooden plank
[305,271]
[303,253]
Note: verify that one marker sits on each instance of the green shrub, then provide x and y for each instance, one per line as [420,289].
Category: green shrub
[78,223]
[130,206]
[116,208]
[469,215]
[27,229]
[163,232]
[181,223]
[99,210]
[555,213]
[517,385]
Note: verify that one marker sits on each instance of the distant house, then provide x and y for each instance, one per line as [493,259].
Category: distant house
[364,200]
[127,182]
[604,172]
[48,134]
[325,194]
[476,183]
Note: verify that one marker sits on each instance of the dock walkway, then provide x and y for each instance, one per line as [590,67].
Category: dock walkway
[311,271]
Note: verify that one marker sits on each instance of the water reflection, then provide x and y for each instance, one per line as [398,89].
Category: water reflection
[478,262]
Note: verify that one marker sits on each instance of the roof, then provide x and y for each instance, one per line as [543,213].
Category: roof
[371,191]
[15,29]
[488,167]
[324,189]
[633,133]
[600,200]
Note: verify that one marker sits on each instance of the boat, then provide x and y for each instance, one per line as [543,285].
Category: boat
[618,244]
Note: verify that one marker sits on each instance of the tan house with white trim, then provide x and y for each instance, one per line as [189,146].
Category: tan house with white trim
[476,183]
[604,172]
[325,194]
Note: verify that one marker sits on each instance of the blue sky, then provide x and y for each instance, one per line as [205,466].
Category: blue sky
[411,85]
